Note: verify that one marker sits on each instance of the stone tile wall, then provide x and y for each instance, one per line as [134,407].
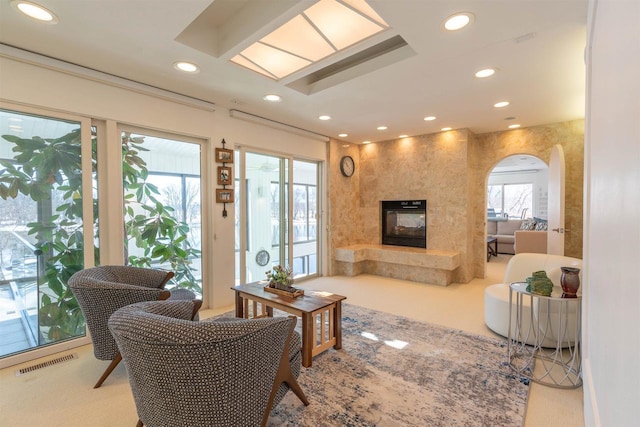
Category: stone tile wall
[431,167]
[538,141]
[449,170]
[343,198]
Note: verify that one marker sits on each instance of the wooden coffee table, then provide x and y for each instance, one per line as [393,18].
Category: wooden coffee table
[321,314]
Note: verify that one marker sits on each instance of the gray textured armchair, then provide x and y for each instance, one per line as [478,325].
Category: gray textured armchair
[216,373]
[100,291]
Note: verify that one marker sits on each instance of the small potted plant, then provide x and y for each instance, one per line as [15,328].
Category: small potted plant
[281,278]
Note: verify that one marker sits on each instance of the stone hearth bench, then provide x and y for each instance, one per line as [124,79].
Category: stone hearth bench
[415,264]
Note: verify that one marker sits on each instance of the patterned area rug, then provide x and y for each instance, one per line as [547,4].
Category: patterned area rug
[394,371]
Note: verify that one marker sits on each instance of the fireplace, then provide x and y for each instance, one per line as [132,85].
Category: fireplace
[404,223]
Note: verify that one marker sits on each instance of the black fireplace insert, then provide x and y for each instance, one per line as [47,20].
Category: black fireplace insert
[404,223]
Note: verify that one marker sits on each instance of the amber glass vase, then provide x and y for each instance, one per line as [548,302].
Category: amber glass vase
[570,281]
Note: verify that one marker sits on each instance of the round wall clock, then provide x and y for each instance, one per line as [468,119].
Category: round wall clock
[347,166]
[262,258]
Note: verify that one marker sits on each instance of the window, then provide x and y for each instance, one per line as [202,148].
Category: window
[511,200]
[48,231]
[162,206]
[42,230]
[305,210]
[304,213]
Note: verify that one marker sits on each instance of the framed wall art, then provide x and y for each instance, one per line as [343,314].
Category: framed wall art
[224,195]
[224,155]
[224,175]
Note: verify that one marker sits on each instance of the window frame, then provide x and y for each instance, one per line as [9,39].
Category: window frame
[87,226]
[116,192]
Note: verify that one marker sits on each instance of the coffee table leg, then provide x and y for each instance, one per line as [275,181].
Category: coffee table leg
[307,339]
[337,325]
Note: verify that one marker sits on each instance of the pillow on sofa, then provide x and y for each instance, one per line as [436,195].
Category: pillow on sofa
[528,224]
[541,224]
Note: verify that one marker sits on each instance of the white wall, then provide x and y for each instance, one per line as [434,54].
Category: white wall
[611,339]
[58,87]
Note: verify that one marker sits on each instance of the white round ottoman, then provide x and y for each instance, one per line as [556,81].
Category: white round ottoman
[496,297]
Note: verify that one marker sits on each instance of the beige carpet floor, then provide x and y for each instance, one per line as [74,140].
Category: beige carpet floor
[62,395]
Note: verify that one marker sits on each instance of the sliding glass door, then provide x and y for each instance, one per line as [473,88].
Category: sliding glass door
[276,215]
[44,163]
[264,207]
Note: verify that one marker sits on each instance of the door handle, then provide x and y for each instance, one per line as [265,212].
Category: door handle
[560,230]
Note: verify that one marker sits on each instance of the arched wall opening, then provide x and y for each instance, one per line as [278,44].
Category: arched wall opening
[487,150]
[516,195]
[517,187]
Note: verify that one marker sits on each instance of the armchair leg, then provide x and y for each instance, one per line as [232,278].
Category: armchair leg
[297,390]
[284,375]
[109,369]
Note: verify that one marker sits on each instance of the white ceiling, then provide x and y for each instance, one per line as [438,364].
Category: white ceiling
[537,45]
[519,162]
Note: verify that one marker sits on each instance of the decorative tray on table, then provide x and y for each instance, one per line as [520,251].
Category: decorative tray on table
[294,294]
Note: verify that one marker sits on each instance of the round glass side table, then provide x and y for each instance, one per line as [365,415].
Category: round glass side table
[552,329]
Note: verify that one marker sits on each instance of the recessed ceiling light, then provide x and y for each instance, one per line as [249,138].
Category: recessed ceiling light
[343,135]
[514,126]
[366,142]
[458,21]
[430,118]
[35,11]
[187,67]
[382,128]
[403,136]
[272,98]
[324,117]
[445,129]
[501,104]
[487,72]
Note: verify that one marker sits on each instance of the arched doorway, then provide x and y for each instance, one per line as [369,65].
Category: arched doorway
[517,189]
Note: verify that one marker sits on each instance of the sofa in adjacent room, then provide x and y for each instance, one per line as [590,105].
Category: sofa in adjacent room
[504,230]
[530,242]
[518,235]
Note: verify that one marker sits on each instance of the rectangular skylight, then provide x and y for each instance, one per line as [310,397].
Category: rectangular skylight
[323,29]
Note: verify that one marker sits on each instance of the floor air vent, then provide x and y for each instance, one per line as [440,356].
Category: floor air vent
[46,364]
